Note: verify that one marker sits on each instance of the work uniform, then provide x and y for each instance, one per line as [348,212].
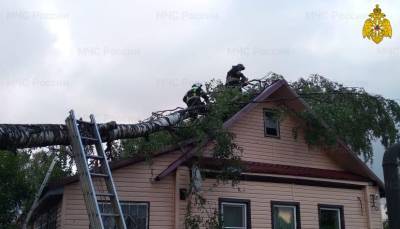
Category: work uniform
[235,78]
[194,103]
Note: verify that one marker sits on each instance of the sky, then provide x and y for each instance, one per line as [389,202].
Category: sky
[122,60]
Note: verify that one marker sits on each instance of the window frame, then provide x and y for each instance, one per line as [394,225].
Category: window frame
[147,203]
[278,131]
[296,205]
[233,201]
[332,207]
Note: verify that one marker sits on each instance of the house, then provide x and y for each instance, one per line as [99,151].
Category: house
[286,183]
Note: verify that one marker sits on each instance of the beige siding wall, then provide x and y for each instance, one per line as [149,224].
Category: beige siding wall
[375,213]
[261,194]
[249,131]
[133,184]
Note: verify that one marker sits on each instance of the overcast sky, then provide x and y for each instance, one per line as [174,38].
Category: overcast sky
[121,60]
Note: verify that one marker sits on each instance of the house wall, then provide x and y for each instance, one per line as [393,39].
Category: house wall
[261,194]
[133,183]
[286,150]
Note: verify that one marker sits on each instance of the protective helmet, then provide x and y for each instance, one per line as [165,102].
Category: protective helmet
[240,66]
[197,85]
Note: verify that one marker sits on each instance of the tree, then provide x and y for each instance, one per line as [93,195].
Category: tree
[15,186]
[14,136]
[353,114]
[21,175]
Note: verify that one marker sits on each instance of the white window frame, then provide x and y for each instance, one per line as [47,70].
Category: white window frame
[337,210]
[235,204]
[286,206]
[129,203]
[278,127]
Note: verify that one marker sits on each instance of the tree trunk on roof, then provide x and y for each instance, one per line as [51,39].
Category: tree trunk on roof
[14,136]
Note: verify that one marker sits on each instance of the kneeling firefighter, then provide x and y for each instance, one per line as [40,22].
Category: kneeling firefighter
[235,78]
[193,100]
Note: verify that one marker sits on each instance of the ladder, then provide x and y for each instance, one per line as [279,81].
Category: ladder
[83,135]
[39,193]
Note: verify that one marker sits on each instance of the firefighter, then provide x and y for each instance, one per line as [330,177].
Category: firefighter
[193,100]
[235,77]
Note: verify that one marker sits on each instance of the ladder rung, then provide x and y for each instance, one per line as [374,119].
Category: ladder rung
[109,215]
[89,139]
[97,157]
[94,157]
[104,194]
[98,175]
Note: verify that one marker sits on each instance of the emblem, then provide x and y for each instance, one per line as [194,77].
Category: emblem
[377,26]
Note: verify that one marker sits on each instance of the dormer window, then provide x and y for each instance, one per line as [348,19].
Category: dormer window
[271,123]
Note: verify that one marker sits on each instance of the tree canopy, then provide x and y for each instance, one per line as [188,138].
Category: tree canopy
[350,114]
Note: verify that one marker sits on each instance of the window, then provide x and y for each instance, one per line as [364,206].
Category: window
[331,217]
[271,123]
[235,214]
[136,215]
[47,220]
[285,215]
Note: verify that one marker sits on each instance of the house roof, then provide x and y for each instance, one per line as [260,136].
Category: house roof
[286,170]
[121,164]
[345,157]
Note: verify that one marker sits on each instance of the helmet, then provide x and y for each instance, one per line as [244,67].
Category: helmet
[197,85]
[240,66]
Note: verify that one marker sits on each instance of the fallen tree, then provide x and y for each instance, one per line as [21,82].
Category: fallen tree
[15,136]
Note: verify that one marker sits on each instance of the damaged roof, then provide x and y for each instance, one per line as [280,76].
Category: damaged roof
[349,160]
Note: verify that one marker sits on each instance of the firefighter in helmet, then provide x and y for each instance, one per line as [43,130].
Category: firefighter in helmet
[193,99]
[235,78]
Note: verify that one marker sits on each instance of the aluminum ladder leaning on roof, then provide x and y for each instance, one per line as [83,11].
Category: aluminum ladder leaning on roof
[83,135]
[39,193]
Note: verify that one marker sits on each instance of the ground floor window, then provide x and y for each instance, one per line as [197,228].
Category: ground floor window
[136,215]
[235,213]
[47,220]
[331,217]
[285,215]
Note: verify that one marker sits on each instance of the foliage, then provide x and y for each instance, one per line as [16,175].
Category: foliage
[146,146]
[204,215]
[205,127]
[353,114]
[21,175]
[15,186]
[385,224]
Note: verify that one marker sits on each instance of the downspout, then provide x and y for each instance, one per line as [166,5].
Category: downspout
[391,170]
[176,219]
[367,207]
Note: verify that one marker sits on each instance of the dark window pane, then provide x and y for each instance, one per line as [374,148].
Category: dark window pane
[271,123]
[329,218]
[47,220]
[284,217]
[234,215]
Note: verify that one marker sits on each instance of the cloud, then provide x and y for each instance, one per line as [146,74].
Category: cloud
[121,61]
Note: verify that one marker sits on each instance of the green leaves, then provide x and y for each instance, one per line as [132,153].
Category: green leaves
[15,188]
[21,175]
[352,114]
